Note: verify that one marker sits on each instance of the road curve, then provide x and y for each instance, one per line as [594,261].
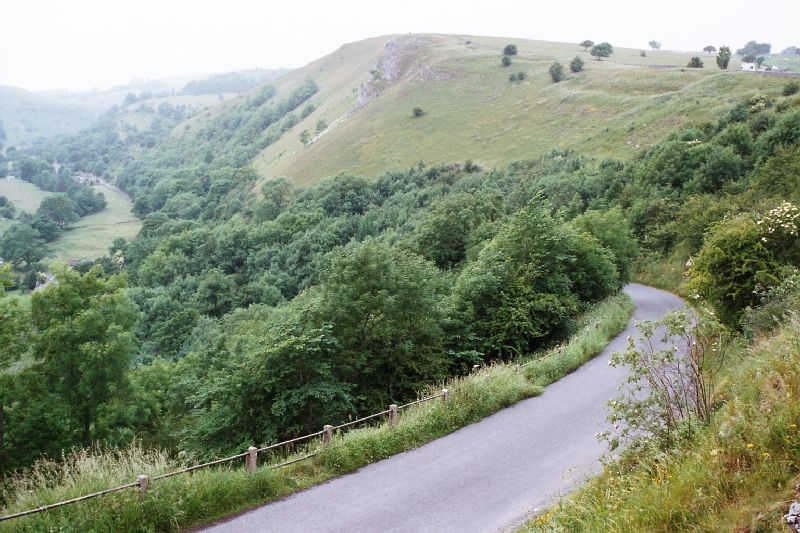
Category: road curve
[485,477]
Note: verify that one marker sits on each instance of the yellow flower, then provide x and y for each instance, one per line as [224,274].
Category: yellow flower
[749,445]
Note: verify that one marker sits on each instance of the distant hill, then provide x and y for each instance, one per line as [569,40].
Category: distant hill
[230,82]
[363,121]
[27,115]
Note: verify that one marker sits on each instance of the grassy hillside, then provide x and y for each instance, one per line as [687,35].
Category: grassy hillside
[26,197]
[92,235]
[614,108]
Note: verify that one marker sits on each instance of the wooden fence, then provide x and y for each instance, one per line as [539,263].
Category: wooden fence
[250,457]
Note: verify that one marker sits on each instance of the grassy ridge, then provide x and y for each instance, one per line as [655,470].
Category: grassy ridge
[616,107]
[738,475]
[183,501]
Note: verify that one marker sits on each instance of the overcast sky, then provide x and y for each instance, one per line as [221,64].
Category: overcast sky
[81,44]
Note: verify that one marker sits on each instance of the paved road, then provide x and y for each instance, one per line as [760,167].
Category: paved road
[485,477]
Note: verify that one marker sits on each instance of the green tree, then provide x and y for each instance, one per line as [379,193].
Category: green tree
[576,65]
[84,345]
[322,125]
[695,62]
[614,232]
[510,50]
[305,137]
[556,72]
[754,48]
[22,244]
[60,209]
[709,49]
[587,44]
[449,227]
[655,45]
[723,57]
[602,50]
[386,308]
[527,282]
[506,61]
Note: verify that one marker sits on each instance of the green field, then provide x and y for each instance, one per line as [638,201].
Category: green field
[26,196]
[91,236]
[616,107]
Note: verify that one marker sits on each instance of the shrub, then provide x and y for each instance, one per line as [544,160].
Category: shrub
[791,88]
[576,65]
[510,50]
[642,53]
[732,263]
[680,382]
[417,112]
[723,57]
[557,71]
[506,61]
[776,305]
[695,62]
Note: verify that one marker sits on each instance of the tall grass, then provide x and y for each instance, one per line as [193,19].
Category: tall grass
[183,501]
[737,475]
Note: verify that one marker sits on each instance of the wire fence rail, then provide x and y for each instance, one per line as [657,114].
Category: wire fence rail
[250,458]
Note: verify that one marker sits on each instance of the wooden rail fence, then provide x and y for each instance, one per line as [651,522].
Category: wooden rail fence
[142,482]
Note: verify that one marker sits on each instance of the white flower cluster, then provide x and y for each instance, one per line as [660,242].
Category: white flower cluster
[783,221]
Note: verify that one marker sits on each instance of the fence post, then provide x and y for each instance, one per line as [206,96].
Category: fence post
[392,415]
[327,434]
[445,395]
[142,481]
[251,460]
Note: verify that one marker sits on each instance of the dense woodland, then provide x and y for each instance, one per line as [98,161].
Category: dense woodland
[239,316]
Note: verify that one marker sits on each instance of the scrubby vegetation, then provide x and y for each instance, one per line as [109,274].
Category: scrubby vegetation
[183,501]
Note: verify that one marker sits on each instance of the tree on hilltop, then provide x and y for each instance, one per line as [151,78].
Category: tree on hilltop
[655,45]
[602,50]
[709,49]
[754,48]
[510,50]
[587,44]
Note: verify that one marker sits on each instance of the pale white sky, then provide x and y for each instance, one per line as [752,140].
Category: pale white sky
[80,44]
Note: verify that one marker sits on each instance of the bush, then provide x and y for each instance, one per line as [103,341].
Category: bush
[518,76]
[506,61]
[776,305]
[417,112]
[695,62]
[557,71]
[510,50]
[791,88]
[576,65]
[732,264]
[642,54]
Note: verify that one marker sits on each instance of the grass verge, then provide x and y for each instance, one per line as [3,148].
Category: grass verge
[739,474]
[184,501]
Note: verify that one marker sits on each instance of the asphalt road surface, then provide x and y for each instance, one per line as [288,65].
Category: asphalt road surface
[486,477]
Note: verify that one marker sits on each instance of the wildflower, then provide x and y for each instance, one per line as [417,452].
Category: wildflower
[749,444]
